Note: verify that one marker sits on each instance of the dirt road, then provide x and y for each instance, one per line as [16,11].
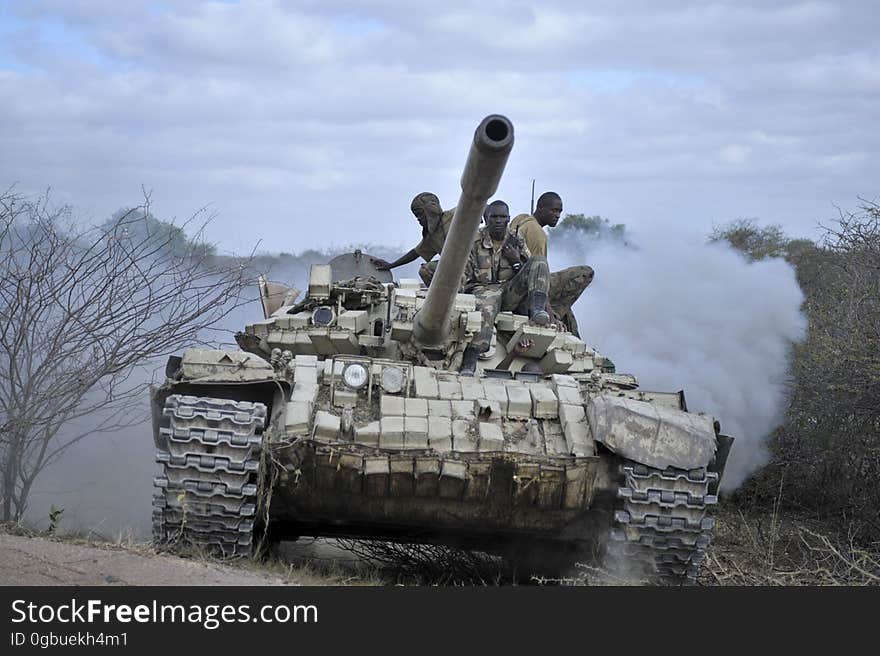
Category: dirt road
[40,561]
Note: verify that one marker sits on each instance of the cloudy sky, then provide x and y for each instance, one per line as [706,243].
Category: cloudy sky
[315,122]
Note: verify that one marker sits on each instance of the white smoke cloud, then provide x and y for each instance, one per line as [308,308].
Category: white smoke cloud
[680,313]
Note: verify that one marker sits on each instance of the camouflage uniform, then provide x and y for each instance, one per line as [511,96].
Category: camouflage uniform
[566,286]
[433,238]
[500,284]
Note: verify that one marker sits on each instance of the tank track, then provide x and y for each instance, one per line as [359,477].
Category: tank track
[661,527]
[207,491]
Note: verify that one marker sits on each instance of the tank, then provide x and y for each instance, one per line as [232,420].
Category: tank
[343,414]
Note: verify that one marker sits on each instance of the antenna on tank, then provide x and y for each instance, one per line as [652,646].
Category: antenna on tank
[532,204]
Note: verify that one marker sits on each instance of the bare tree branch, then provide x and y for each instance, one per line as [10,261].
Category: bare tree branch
[80,310]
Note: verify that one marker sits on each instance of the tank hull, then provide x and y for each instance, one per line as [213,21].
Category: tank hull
[466,489]
[322,489]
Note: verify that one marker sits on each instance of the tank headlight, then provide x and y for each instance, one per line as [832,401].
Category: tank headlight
[354,375]
[392,379]
[323,316]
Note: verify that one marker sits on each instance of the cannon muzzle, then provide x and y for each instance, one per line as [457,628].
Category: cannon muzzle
[493,141]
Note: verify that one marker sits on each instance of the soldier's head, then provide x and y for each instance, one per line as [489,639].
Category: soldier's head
[426,208]
[497,216]
[549,209]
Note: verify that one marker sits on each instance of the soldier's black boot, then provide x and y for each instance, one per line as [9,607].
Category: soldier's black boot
[537,312]
[469,361]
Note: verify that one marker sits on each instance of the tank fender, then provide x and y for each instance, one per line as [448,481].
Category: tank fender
[218,373]
[654,435]
[218,365]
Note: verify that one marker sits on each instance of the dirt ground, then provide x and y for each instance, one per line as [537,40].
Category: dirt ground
[42,561]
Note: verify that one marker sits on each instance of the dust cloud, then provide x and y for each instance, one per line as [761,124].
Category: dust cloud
[681,313]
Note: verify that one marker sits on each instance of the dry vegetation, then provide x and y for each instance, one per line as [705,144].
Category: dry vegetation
[786,549]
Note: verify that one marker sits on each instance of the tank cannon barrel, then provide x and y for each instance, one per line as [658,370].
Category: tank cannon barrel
[493,141]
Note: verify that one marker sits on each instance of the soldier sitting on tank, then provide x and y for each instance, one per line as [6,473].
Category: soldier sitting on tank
[567,285]
[502,273]
[435,226]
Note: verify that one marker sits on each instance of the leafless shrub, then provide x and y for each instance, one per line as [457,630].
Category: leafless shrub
[757,550]
[82,311]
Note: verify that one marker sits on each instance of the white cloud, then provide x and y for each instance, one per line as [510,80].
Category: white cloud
[735,154]
[265,108]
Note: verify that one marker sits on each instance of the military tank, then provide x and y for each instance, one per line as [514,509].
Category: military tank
[343,414]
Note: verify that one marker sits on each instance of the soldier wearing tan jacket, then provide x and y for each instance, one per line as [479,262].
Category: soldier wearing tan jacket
[567,285]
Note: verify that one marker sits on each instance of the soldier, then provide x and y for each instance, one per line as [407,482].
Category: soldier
[502,273]
[435,226]
[566,286]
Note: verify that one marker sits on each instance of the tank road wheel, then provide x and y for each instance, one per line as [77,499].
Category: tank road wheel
[661,525]
[207,490]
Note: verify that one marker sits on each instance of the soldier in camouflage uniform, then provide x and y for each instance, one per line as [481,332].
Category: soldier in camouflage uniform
[566,286]
[435,224]
[502,273]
